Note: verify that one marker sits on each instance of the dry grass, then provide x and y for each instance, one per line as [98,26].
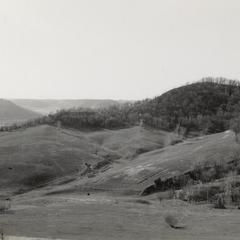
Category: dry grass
[62,152]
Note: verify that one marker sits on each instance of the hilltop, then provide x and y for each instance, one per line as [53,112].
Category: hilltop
[206,106]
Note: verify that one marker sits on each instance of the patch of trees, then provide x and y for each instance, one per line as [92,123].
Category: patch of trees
[84,119]
[110,118]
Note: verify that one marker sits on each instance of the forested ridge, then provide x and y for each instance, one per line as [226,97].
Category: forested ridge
[206,106]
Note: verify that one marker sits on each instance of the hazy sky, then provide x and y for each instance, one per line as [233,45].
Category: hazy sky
[120,49]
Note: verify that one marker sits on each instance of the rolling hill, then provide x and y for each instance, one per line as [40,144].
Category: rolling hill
[126,160]
[66,175]
[34,156]
[11,113]
[166,162]
[174,160]
[102,149]
[205,106]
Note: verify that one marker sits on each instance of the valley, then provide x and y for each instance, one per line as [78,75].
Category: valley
[162,168]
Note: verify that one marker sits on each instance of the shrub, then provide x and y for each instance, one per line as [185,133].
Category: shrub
[5,205]
[143,201]
[172,221]
[205,193]
[235,127]
[220,203]
[236,196]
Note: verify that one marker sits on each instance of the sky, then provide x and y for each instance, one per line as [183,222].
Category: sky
[114,49]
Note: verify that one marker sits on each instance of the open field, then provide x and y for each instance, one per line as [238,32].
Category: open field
[104,216]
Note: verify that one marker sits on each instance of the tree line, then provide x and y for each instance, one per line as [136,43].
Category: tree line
[209,106]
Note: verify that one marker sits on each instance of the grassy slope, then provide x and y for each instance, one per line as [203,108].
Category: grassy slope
[129,142]
[168,161]
[40,151]
[47,152]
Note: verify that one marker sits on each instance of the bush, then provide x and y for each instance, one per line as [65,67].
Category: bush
[205,193]
[220,203]
[235,127]
[5,205]
[235,196]
[173,221]
[143,201]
